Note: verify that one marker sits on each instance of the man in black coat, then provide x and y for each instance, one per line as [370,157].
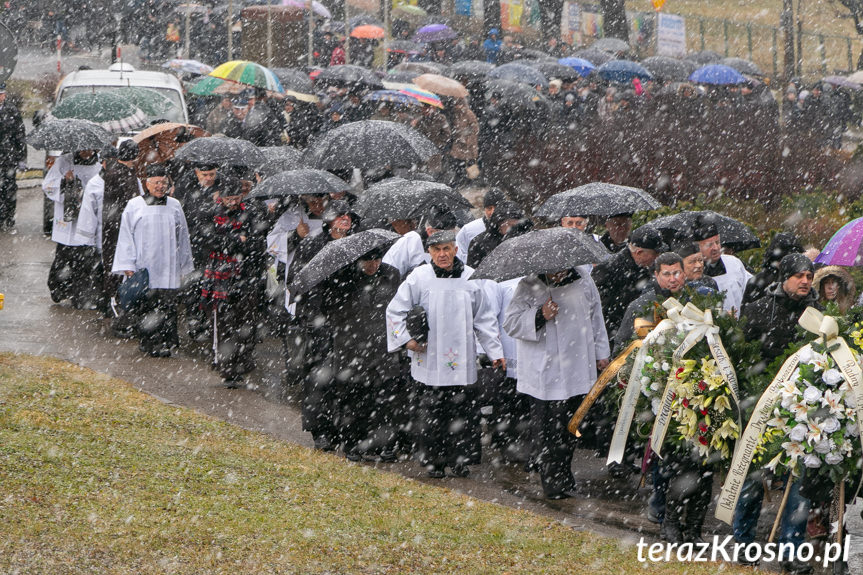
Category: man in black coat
[319,392]
[772,319]
[505,217]
[621,279]
[780,246]
[13,153]
[367,385]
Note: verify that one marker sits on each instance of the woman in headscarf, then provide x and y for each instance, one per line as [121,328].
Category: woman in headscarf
[834,284]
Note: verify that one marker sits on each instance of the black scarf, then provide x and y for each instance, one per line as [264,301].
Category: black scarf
[715,269]
[571,276]
[79,161]
[455,272]
[152,200]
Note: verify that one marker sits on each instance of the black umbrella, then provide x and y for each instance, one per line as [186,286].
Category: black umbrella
[222,151]
[539,252]
[611,45]
[423,68]
[733,234]
[369,145]
[339,254]
[401,76]
[69,135]
[400,199]
[532,54]
[743,66]
[597,199]
[514,97]
[280,159]
[519,73]
[551,69]
[667,69]
[364,20]
[297,183]
[704,57]
[594,56]
[470,70]
[294,80]
[349,75]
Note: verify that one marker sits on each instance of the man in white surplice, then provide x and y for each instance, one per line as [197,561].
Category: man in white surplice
[154,236]
[74,271]
[444,359]
[557,322]
[728,271]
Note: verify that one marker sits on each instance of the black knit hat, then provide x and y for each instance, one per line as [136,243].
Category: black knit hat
[794,264]
[648,238]
[686,249]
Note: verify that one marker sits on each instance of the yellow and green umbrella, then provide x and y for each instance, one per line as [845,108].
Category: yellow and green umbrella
[248,73]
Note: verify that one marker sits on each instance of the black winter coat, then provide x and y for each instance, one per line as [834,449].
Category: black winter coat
[620,281]
[13,148]
[772,319]
[355,310]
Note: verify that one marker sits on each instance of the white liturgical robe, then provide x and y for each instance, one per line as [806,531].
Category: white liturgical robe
[733,283]
[154,237]
[558,361]
[65,232]
[457,311]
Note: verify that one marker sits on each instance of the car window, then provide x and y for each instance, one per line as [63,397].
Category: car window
[173,114]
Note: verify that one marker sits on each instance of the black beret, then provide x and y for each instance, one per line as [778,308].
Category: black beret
[648,238]
[127,151]
[441,237]
[157,171]
[493,197]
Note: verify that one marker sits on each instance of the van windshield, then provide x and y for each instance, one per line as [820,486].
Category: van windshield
[164,104]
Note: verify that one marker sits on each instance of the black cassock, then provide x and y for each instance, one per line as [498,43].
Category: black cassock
[369,402]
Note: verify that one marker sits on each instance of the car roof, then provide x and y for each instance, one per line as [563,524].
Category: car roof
[141,78]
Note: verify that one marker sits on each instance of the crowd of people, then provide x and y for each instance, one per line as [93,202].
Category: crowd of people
[400,354]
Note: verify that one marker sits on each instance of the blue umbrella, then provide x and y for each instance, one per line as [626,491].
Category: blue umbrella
[717,75]
[580,65]
[519,73]
[623,71]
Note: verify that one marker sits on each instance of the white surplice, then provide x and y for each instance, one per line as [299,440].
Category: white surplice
[559,360]
[285,226]
[89,225]
[733,283]
[64,232]
[466,235]
[457,313]
[407,253]
[154,237]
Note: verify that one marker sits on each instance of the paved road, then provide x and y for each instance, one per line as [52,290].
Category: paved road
[31,323]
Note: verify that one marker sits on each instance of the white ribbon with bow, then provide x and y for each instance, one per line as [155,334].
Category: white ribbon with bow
[827,328]
[633,386]
[699,325]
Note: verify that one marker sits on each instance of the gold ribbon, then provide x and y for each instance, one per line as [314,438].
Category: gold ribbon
[701,326]
[642,327]
[827,328]
[633,386]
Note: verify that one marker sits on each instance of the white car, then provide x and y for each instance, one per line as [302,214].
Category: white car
[122,75]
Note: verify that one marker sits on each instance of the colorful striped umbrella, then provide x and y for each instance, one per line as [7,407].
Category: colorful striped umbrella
[250,74]
[392,96]
[843,249]
[423,96]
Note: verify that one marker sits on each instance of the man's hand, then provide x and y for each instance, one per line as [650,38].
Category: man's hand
[70,175]
[499,363]
[416,347]
[303,229]
[549,310]
[129,273]
[602,364]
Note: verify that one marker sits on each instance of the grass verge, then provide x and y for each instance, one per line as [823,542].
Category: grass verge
[100,478]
